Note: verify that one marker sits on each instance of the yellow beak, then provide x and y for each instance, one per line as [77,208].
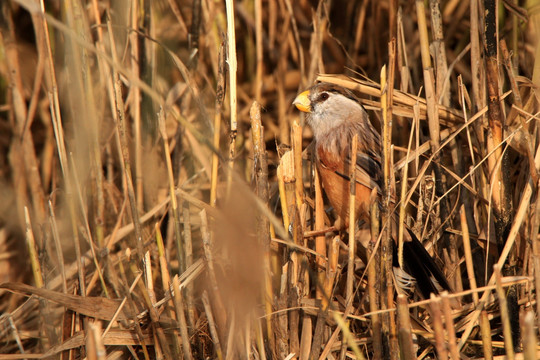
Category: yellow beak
[302,102]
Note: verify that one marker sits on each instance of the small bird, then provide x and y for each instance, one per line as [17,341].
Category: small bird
[335,115]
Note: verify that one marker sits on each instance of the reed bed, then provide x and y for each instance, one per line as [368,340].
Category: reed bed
[158,198]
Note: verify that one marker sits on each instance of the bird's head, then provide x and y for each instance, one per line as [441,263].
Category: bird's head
[329,106]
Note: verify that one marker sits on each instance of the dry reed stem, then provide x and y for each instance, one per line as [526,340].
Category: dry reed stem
[331,271]
[165,283]
[468,252]
[502,205]
[485,329]
[438,329]
[174,202]
[385,279]
[32,249]
[124,150]
[282,196]
[94,342]
[352,220]
[306,340]
[86,132]
[217,300]
[404,329]
[374,275]
[320,241]
[24,145]
[441,66]
[449,325]
[505,316]
[128,293]
[402,100]
[87,232]
[296,130]
[259,50]
[58,246]
[269,31]
[231,61]
[348,337]
[212,325]
[158,331]
[220,95]
[529,340]
[179,307]
[135,109]
[261,188]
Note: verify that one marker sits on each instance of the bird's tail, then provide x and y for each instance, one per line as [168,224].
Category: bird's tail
[419,269]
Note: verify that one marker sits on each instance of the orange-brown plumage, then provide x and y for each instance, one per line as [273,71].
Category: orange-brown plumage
[335,116]
[334,177]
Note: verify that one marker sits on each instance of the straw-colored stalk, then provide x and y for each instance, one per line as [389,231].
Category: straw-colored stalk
[263,226]
[166,281]
[23,144]
[231,61]
[306,340]
[530,351]
[505,316]
[500,196]
[352,220]
[438,329]
[128,293]
[374,276]
[331,271]
[95,349]
[220,95]
[217,300]
[212,325]
[161,340]
[58,246]
[33,250]
[348,336]
[404,329]
[287,171]
[320,241]
[259,50]
[120,118]
[174,202]
[449,324]
[386,288]
[135,108]
[87,232]
[179,307]
[441,66]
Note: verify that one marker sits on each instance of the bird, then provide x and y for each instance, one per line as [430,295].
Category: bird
[335,115]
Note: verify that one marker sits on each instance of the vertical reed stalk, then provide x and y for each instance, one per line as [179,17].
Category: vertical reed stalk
[352,221]
[231,61]
[404,329]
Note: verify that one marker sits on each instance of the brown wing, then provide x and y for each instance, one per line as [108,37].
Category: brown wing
[368,158]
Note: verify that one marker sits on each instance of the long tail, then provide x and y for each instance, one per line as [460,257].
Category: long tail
[420,269]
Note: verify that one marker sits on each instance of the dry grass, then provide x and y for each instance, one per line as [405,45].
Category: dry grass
[151,209]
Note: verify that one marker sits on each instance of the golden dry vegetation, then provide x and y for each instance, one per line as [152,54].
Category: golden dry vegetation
[157,198]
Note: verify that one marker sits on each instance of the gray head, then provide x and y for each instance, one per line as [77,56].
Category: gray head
[330,107]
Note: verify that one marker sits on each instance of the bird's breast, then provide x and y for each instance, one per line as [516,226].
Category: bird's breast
[334,176]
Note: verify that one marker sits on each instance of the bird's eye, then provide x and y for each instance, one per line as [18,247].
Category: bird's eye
[323,96]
